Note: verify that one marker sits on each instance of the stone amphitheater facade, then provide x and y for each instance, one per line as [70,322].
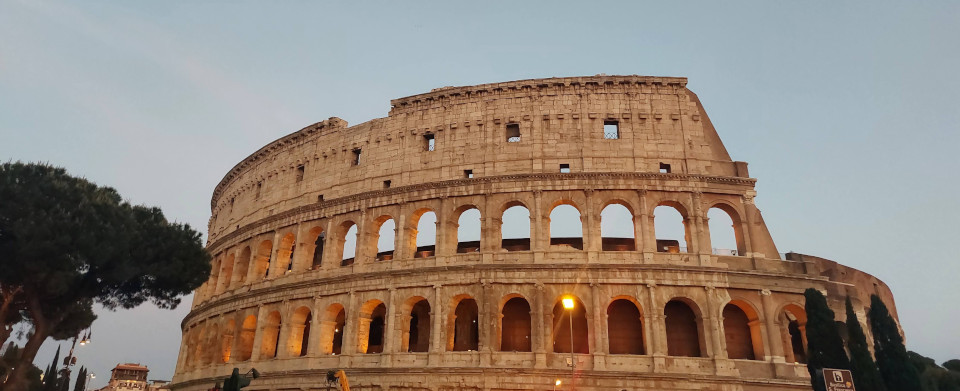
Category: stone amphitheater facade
[289,296]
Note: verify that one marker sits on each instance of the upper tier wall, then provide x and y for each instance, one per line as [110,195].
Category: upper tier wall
[561,121]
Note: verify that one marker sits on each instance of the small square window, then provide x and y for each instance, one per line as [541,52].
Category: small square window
[320,198]
[259,186]
[564,168]
[300,171]
[386,184]
[611,130]
[513,133]
[664,168]
[430,141]
[468,174]
[356,157]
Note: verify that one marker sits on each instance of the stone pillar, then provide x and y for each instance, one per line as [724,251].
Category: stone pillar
[488,324]
[599,348]
[391,329]
[446,244]
[350,329]
[592,236]
[363,254]
[654,318]
[711,325]
[286,326]
[773,342]
[273,270]
[258,335]
[648,237]
[539,329]
[316,329]
[298,251]
[540,237]
[436,329]
[332,248]
[400,250]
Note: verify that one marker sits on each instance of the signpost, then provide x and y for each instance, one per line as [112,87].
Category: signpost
[838,379]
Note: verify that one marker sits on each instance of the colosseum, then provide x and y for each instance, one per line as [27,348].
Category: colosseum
[465,242]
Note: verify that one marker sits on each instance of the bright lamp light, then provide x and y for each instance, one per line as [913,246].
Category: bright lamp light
[568,303]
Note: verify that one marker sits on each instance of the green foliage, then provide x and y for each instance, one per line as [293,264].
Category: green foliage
[953,365]
[51,379]
[932,376]
[866,376]
[66,243]
[824,343]
[892,359]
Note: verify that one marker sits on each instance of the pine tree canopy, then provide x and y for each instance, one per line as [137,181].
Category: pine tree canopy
[66,243]
[898,373]
[824,343]
[866,376]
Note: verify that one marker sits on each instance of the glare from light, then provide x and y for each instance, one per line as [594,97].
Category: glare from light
[568,303]
[558,383]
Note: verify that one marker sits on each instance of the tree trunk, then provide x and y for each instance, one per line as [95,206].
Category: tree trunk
[8,295]
[41,330]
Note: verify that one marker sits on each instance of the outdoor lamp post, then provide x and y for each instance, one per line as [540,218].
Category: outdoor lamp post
[87,383]
[557,384]
[568,305]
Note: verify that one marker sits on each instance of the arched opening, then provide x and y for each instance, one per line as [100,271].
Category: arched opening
[247,332]
[242,267]
[426,235]
[314,247]
[683,330]
[285,254]
[211,345]
[468,231]
[349,230]
[562,326]
[418,328]
[726,236]
[331,333]
[262,264]
[625,327]
[616,228]
[226,273]
[670,228]
[373,316]
[741,329]
[466,327]
[299,340]
[271,336]
[515,228]
[566,229]
[386,237]
[226,340]
[794,335]
[515,326]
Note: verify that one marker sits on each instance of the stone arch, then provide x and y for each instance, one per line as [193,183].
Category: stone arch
[331,331]
[793,330]
[515,324]
[298,340]
[463,327]
[348,242]
[468,226]
[625,326]
[248,330]
[262,263]
[726,230]
[313,245]
[562,327]
[242,267]
[416,328]
[684,327]
[424,232]
[226,340]
[515,227]
[742,331]
[385,237]
[271,335]
[670,220]
[566,225]
[617,230]
[288,245]
[226,272]
[372,327]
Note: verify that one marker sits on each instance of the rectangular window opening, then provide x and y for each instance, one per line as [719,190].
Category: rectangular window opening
[259,186]
[386,184]
[356,157]
[564,168]
[664,168]
[611,129]
[431,141]
[320,198]
[300,171]
[513,133]
[468,174]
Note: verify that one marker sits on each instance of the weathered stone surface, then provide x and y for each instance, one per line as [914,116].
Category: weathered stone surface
[487,315]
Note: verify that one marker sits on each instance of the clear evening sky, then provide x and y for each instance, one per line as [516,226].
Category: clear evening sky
[846,111]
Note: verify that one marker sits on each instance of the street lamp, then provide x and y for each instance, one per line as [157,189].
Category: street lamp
[87,383]
[556,384]
[568,305]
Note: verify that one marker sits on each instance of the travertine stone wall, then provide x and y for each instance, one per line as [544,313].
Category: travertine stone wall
[645,317]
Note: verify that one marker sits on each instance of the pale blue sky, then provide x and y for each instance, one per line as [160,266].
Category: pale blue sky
[846,111]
